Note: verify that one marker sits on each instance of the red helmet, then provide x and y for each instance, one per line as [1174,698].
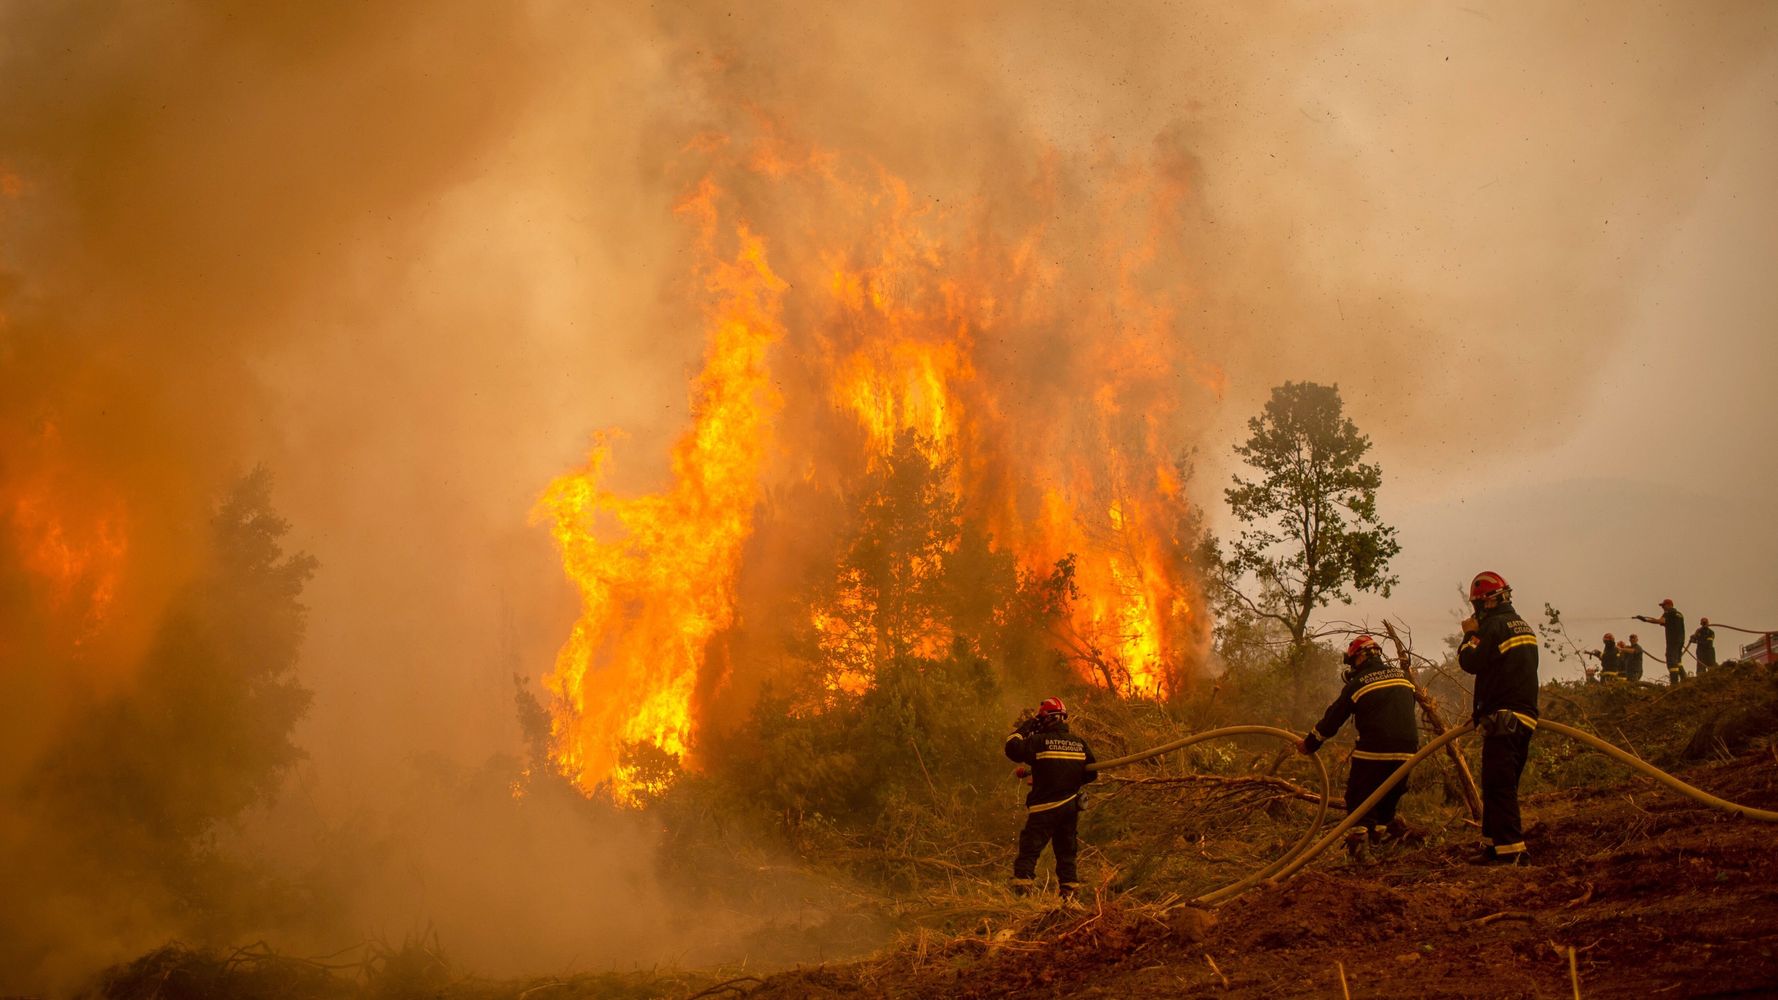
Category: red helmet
[1052,706]
[1667,603]
[1703,621]
[1358,647]
[1486,585]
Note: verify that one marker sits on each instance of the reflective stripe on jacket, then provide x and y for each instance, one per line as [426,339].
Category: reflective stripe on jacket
[1058,761]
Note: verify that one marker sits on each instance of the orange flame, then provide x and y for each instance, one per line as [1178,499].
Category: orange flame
[70,538]
[656,573]
[1054,409]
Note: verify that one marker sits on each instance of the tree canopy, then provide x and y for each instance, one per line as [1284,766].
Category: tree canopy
[1311,534]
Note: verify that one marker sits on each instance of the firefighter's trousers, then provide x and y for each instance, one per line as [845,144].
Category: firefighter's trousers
[1363,779]
[1503,761]
[1055,827]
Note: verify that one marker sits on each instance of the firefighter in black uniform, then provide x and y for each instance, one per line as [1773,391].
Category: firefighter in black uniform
[1705,639]
[1056,762]
[1380,697]
[1608,661]
[1500,649]
[1629,658]
[1674,623]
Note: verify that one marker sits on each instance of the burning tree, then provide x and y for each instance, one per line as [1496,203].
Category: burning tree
[206,730]
[904,410]
[120,815]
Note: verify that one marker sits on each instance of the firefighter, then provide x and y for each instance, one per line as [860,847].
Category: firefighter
[1380,698]
[1674,623]
[1629,657]
[1056,762]
[1500,649]
[1705,639]
[1608,660]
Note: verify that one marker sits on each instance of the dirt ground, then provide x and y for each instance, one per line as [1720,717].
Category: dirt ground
[1659,896]
[1654,894]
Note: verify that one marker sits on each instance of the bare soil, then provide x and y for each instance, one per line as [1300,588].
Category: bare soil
[1657,895]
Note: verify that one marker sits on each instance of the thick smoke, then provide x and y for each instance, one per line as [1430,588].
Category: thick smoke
[410,255]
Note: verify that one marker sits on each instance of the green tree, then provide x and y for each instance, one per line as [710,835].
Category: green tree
[909,522]
[206,730]
[1310,533]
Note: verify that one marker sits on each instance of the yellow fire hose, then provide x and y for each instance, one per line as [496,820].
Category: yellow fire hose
[1302,851]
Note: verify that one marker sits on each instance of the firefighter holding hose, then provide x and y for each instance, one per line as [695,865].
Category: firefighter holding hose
[1673,624]
[1500,649]
[1608,659]
[1705,639]
[1055,761]
[1630,657]
[1380,697]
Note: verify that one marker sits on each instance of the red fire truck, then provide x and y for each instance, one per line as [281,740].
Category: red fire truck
[1762,650]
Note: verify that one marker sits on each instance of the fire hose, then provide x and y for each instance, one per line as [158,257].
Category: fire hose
[1242,885]
[1306,848]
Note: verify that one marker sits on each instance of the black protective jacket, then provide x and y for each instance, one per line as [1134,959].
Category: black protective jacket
[1381,699]
[1674,622]
[1631,663]
[1058,761]
[1502,654]
[1608,659]
[1705,637]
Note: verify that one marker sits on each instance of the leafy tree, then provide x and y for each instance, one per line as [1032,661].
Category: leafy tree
[206,730]
[1311,533]
[909,522]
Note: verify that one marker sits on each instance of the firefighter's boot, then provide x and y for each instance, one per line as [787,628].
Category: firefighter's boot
[1356,838]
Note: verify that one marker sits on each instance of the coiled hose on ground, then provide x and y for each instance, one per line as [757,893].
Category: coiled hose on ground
[1306,848]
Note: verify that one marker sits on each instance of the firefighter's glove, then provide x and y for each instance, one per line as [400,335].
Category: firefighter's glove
[1501,722]
[1021,772]
[1303,747]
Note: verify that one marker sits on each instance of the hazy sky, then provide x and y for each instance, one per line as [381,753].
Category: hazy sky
[1656,478]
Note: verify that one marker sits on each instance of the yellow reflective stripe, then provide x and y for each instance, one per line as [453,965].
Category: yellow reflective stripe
[1500,849]
[1046,806]
[1527,721]
[1393,682]
[1472,642]
[1062,755]
[1517,641]
[1374,755]
[1014,736]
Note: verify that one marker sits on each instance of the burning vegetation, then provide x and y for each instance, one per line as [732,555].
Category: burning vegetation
[904,327]
[916,434]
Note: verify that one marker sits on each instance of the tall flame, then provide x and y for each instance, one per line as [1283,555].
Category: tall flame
[1049,397]
[656,573]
